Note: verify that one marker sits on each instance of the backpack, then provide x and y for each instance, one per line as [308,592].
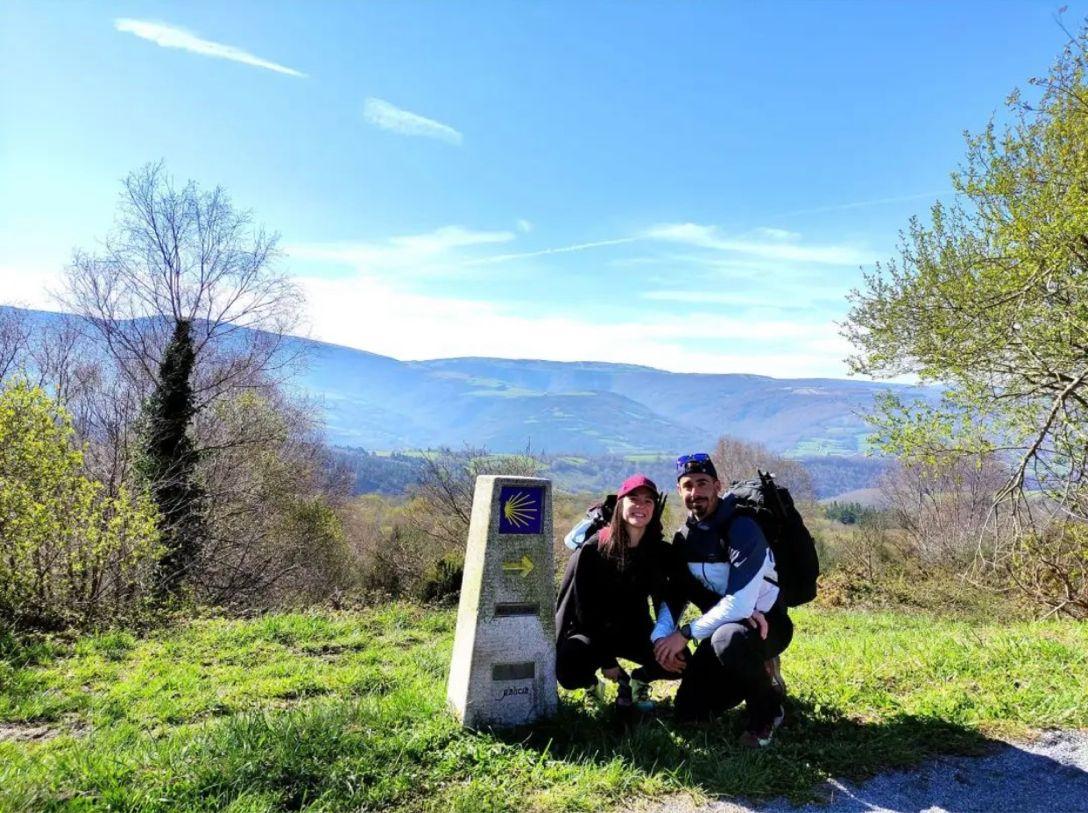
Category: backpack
[597,516]
[794,548]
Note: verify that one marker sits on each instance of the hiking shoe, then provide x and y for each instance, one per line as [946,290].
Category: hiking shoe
[761,736]
[594,696]
[640,693]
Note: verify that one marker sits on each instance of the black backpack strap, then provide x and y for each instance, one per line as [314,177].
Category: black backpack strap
[738,509]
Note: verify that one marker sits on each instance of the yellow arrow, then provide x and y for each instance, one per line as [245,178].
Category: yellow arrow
[524,566]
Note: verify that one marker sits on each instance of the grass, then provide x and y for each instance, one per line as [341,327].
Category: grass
[325,712]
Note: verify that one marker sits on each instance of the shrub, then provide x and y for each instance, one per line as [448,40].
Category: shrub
[72,554]
[416,546]
[1051,568]
[274,536]
[851,513]
[442,581]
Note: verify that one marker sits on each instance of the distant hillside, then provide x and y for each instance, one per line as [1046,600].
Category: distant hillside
[581,407]
[587,408]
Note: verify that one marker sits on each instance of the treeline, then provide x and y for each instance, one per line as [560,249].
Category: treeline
[852,513]
[834,476]
[379,473]
[395,473]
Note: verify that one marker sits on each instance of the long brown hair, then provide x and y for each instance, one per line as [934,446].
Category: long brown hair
[616,543]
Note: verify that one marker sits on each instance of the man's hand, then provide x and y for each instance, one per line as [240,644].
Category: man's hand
[758,622]
[667,652]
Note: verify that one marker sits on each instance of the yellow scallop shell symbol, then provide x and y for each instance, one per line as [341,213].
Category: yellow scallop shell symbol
[518,510]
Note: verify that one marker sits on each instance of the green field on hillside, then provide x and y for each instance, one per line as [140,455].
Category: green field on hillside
[346,711]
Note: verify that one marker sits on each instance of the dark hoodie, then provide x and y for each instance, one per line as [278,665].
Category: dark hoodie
[607,600]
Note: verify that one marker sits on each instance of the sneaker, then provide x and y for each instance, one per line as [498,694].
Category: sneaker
[761,736]
[594,695]
[640,692]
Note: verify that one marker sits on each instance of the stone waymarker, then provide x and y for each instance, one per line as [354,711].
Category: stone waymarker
[503,669]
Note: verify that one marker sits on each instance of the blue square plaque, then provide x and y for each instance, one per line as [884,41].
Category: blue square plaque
[521,510]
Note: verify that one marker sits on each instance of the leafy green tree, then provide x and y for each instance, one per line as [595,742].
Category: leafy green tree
[69,552]
[990,298]
[850,513]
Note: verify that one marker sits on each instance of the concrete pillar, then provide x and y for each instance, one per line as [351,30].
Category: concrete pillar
[503,668]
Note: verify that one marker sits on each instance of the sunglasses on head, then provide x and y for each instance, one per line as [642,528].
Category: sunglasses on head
[689,461]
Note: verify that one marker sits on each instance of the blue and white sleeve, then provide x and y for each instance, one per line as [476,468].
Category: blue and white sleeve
[666,624]
[747,560]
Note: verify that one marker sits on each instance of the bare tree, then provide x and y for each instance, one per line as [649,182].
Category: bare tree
[1049,568]
[58,355]
[447,484]
[186,255]
[183,259]
[736,459]
[273,529]
[943,506]
[14,336]
[62,359]
[416,546]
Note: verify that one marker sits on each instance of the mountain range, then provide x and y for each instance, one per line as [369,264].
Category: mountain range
[508,405]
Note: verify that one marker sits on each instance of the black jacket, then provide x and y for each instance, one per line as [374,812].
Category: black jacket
[605,602]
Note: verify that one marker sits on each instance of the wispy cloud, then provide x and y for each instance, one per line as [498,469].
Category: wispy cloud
[449,237]
[784,325]
[376,315]
[777,234]
[763,296]
[502,258]
[765,244]
[390,117]
[865,204]
[710,237]
[29,285]
[416,252]
[169,36]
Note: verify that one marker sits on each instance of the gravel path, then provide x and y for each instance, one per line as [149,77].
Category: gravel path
[1047,775]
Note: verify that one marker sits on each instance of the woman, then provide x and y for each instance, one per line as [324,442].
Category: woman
[603,609]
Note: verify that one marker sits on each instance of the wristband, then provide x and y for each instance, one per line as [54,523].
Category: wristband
[686,632]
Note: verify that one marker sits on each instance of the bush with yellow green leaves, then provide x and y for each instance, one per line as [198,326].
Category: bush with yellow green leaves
[72,552]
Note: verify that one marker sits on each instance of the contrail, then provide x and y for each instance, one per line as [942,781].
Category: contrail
[861,204]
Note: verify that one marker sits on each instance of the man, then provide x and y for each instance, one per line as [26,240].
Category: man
[729,560]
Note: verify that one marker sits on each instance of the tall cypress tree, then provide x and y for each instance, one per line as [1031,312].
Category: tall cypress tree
[170,463]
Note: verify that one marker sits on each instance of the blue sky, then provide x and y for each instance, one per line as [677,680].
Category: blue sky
[692,186]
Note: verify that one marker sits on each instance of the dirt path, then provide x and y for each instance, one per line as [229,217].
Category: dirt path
[1047,775]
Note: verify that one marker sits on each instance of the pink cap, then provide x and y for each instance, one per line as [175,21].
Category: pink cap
[636,481]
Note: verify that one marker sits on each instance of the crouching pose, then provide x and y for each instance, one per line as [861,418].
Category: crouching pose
[603,607]
[727,554]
